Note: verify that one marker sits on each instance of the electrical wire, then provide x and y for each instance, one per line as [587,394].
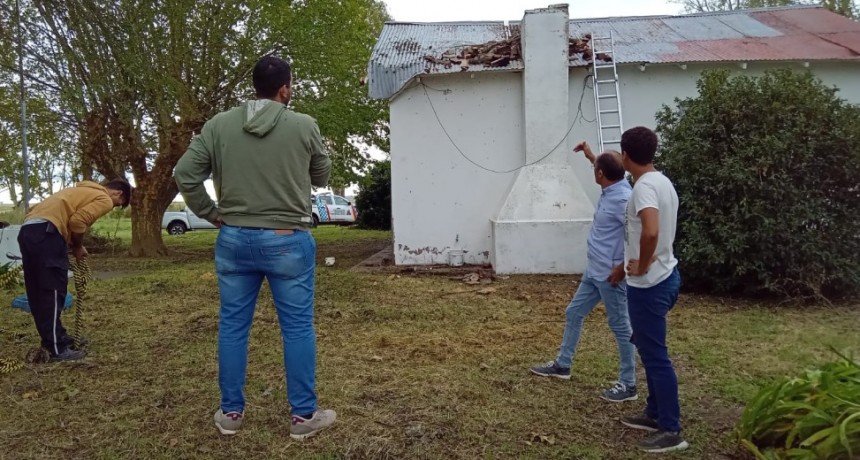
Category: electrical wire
[585,82]
[579,115]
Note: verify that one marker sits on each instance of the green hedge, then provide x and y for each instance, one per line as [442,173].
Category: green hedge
[374,198]
[768,174]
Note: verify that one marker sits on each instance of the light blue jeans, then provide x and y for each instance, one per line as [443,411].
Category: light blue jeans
[589,293]
[243,257]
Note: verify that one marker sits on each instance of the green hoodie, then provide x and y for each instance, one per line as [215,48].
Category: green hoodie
[263,159]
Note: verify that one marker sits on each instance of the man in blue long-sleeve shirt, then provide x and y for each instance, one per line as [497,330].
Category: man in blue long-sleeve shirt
[601,281]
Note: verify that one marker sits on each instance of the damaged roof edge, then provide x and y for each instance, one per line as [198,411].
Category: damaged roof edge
[407,84]
[781,34]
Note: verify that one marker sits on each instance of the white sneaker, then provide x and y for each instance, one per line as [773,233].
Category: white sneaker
[303,428]
[228,423]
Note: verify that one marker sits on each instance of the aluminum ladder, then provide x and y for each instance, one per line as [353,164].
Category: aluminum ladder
[607,94]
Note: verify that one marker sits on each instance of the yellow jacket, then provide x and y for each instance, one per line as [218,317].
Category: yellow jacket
[74,209]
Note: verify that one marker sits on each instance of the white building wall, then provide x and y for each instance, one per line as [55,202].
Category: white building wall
[440,200]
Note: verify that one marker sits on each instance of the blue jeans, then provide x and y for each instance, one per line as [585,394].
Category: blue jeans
[648,310]
[591,291]
[243,257]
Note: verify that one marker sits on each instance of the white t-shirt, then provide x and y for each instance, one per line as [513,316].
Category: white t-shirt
[652,190]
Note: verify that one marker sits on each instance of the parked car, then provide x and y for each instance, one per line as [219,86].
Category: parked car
[179,222]
[329,208]
[326,208]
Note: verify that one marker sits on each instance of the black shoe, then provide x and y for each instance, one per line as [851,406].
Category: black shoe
[67,355]
[641,422]
[663,441]
[69,342]
[84,342]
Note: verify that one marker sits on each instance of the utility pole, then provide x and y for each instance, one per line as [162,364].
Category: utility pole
[24,156]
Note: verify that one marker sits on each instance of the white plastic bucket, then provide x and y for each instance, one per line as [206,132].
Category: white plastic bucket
[455,257]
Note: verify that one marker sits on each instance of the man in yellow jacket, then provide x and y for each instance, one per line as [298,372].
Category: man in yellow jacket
[49,230]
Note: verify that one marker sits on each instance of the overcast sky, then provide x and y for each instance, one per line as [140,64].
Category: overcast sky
[502,10]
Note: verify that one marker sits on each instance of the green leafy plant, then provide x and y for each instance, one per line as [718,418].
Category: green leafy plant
[374,199]
[815,415]
[766,171]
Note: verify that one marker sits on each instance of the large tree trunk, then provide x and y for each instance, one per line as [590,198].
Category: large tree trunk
[151,198]
[155,190]
[146,240]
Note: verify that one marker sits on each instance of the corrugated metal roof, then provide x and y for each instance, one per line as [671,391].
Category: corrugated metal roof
[784,34]
[767,34]
[399,53]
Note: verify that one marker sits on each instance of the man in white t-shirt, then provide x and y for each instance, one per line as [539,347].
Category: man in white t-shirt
[653,282]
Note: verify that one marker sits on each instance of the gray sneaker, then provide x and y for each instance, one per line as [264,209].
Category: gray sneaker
[229,423]
[663,441]
[620,393]
[302,428]
[551,369]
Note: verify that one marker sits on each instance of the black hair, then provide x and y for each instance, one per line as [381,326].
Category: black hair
[610,164]
[270,74]
[640,144]
[124,187]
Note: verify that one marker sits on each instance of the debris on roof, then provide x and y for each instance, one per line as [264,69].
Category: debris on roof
[786,34]
[500,53]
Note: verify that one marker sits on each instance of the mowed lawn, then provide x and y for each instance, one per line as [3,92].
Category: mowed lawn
[417,366]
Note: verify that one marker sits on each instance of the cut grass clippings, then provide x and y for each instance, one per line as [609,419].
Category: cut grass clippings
[412,371]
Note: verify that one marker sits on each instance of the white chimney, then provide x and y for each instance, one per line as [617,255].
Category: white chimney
[544,223]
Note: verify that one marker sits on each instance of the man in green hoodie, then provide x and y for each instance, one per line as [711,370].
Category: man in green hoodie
[263,159]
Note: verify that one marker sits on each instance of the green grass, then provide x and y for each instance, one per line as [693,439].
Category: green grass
[11,215]
[417,366]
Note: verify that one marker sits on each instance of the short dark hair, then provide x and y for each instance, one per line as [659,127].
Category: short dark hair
[640,144]
[610,164]
[124,187]
[270,74]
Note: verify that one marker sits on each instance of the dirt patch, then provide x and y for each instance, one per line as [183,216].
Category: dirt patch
[383,258]
[349,254]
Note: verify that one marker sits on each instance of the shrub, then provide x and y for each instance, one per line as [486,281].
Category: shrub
[811,416]
[98,242]
[12,216]
[374,198]
[767,171]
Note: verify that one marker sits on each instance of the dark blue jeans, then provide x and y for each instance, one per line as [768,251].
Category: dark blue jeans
[648,309]
[243,257]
